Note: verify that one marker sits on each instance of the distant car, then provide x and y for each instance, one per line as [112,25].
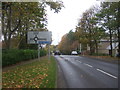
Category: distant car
[57,53]
[118,55]
[74,53]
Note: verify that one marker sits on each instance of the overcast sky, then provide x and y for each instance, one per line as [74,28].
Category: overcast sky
[67,19]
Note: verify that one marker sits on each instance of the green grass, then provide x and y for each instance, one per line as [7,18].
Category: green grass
[38,74]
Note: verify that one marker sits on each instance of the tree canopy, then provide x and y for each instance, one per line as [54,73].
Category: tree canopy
[96,23]
[20,17]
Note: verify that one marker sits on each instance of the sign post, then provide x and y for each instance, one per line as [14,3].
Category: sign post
[38,52]
[40,37]
[49,52]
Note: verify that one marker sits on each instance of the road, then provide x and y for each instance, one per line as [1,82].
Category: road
[83,72]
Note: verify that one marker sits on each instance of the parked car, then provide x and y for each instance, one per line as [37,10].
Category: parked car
[74,53]
[118,55]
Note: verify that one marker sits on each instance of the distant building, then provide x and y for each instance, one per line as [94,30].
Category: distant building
[104,47]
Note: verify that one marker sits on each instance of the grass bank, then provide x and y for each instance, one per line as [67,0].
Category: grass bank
[38,74]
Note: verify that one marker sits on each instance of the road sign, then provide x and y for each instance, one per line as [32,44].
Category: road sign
[39,37]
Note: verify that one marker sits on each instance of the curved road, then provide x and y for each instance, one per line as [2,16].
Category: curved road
[82,72]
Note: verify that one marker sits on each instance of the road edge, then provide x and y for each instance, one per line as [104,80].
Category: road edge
[60,77]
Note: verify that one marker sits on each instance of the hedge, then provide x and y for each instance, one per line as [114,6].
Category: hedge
[14,56]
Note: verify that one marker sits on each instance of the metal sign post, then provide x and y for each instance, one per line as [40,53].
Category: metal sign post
[49,52]
[39,51]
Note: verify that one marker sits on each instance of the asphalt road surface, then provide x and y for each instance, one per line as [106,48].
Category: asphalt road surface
[83,72]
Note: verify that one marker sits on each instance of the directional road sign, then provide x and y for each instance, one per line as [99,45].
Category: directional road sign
[39,37]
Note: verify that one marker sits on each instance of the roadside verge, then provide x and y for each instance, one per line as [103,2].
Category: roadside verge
[34,74]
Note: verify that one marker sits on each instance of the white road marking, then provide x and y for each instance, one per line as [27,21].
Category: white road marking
[96,69]
[79,61]
[107,73]
[88,65]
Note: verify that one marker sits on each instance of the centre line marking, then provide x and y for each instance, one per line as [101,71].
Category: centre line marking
[79,61]
[88,65]
[107,73]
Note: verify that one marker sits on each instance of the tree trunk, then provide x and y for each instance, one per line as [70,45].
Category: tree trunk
[110,32]
[96,47]
[9,41]
[111,48]
[3,29]
[118,28]
[18,45]
[90,42]
[119,42]
[9,28]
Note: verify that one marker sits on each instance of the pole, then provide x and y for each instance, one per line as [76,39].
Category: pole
[38,52]
[115,49]
[80,47]
[49,52]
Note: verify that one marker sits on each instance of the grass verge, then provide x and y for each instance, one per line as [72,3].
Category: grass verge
[38,74]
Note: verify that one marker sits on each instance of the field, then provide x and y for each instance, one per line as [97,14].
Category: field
[38,74]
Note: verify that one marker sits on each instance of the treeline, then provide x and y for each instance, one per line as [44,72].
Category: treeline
[20,17]
[96,23]
[17,19]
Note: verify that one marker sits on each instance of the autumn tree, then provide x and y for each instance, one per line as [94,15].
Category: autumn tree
[68,43]
[20,17]
[88,30]
[109,19]
[63,46]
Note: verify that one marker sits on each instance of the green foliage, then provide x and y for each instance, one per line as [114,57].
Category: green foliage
[99,23]
[14,56]
[56,6]
[20,17]
[71,36]
[108,16]
[43,52]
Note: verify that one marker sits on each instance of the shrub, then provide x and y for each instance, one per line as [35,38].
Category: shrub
[14,56]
